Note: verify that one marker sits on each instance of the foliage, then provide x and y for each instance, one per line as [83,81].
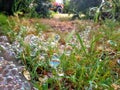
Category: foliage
[83,5]
[3,24]
[80,7]
[116,4]
[107,10]
[66,6]
[21,6]
[42,8]
[31,7]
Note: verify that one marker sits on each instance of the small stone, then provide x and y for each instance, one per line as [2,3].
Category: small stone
[1,81]
[20,62]
[57,37]
[26,85]
[21,68]
[118,61]
[1,58]
[12,66]
[14,71]
[17,78]
[55,61]
[1,69]
[16,44]
[68,53]
[41,57]
[17,86]
[10,87]
[60,74]
[3,39]
[10,62]
[9,79]
[1,87]
[9,55]
[5,72]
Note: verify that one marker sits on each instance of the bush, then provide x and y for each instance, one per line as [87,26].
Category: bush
[116,4]
[66,7]
[83,5]
[3,24]
[42,8]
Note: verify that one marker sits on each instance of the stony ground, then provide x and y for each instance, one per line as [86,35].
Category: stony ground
[11,77]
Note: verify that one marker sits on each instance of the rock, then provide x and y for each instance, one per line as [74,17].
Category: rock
[118,61]
[7,52]
[9,55]
[11,78]
[54,61]
[3,39]
[1,58]
[32,40]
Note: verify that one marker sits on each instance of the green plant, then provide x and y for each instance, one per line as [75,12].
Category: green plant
[116,5]
[4,27]
[66,6]
[21,6]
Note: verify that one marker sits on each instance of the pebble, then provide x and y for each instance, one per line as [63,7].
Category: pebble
[3,39]
[55,61]
[118,61]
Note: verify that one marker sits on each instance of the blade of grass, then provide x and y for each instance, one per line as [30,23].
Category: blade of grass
[69,36]
[81,43]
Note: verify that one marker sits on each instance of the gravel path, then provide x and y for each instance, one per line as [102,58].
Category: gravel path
[11,77]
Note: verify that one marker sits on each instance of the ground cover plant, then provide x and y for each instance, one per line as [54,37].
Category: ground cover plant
[85,58]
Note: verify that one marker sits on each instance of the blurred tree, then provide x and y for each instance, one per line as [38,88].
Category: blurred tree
[84,5]
[11,6]
[66,6]
[116,4]
[42,7]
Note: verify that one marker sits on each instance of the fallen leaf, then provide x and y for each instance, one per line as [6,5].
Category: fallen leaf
[26,74]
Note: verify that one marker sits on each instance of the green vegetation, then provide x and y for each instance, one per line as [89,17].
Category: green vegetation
[83,59]
[3,24]
[78,66]
[40,8]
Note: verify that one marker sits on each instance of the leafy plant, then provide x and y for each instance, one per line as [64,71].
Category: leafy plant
[4,26]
